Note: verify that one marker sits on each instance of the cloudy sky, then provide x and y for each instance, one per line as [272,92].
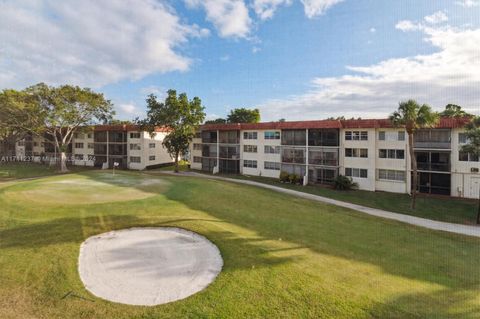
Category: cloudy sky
[293,59]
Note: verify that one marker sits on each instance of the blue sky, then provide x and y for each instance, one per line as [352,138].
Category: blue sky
[294,62]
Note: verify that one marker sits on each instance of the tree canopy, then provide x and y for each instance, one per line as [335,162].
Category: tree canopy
[180,115]
[54,112]
[453,110]
[216,121]
[243,115]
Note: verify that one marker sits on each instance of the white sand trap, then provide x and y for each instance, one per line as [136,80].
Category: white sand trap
[148,266]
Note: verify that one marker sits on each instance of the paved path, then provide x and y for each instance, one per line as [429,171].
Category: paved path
[417,221]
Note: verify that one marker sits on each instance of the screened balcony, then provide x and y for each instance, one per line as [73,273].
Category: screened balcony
[432,139]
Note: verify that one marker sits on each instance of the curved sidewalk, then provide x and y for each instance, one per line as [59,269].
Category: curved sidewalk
[408,219]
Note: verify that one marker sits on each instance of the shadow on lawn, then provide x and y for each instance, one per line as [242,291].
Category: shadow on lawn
[401,250]
[440,303]
[237,252]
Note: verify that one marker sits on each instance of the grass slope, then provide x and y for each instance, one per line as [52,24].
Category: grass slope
[452,210]
[284,257]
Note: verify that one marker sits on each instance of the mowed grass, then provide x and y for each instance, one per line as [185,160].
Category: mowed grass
[284,257]
[19,170]
[447,209]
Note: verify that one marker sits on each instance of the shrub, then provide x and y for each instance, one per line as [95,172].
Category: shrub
[293,178]
[344,183]
[284,177]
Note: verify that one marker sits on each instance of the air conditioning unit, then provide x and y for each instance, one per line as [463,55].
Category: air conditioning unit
[474,170]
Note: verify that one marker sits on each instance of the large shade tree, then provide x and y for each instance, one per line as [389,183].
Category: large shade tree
[54,112]
[244,115]
[472,131]
[455,111]
[180,116]
[413,116]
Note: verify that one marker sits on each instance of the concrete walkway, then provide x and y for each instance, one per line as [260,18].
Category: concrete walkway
[412,220]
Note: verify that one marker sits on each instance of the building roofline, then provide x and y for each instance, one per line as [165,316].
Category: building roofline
[125,128]
[327,124]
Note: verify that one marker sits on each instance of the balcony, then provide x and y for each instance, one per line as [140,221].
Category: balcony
[433,161]
[432,139]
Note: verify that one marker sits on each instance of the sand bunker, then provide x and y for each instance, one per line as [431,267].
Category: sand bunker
[148,266]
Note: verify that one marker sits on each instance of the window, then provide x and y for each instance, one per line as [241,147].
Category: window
[151,158]
[89,135]
[272,166]
[391,136]
[135,135]
[79,157]
[135,159]
[356,172]
[356,135]
[391,175]
[268,149]
[197,159]
[197,147]
[381,136]
[135,147]
[250,148]
[356,152]
[462,138]
[90,145]
[250,135]
[249,164]
[151,145]
[391,154]
[467,157]
[35,143]
[78,145]
[272,135]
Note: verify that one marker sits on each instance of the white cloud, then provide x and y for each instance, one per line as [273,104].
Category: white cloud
[468,3]
[89,43]
[265,9]
[153,89]
[256,50]
[315,8]
[450,75]
[436,18]
[407,25]
[128,108]
[373,30]
[225,58]
[230,17]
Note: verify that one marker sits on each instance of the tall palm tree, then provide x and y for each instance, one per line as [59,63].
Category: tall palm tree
[412,116]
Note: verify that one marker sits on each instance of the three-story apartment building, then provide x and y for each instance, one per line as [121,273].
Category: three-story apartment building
[372,152]
[102,146]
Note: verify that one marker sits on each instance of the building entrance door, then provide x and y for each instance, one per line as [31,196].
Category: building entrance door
[474,187]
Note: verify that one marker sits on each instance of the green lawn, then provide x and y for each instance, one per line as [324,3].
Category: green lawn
[284,257]
[12,170]
[460,211]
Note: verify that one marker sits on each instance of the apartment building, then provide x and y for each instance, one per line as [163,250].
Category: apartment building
[372,152]
[101,147]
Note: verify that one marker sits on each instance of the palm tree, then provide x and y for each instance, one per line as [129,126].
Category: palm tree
[472,131]
[412,116]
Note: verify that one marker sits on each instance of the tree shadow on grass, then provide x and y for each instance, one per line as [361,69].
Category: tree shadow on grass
[398,249]
[237,252]
[414,306]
